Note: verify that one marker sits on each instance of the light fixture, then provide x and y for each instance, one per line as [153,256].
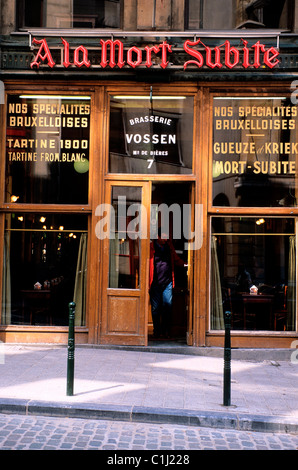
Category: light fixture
[260,221]
[147,97]
[14,198]
[56,97]
[61,227]
[249,97]
[81,166]
[21,218]
[42,219]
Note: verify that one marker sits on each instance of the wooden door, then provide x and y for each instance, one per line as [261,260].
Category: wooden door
[125,264]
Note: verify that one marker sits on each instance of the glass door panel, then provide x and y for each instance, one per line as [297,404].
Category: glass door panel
[125,249]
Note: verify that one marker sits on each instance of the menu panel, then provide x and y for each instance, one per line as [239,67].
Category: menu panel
[47,149]
[254,152]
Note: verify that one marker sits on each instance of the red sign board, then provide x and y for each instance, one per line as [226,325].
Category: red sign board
[113,54]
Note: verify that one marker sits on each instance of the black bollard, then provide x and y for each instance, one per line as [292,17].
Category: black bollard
[227,361]
[70,350]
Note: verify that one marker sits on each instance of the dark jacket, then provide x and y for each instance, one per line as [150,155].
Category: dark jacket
[174,260]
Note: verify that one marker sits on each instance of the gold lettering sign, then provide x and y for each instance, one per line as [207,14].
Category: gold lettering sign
[255,151]
[47,148]
[43,130]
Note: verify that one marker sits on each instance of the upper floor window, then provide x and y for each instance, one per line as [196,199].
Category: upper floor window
[270,14]
[69,13]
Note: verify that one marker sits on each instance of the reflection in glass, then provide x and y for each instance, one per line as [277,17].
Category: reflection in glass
[96,14]
[47,149]
[253,273]
[68,13]
[151,136]
[254,152]
[45,268]
[124,271]
[207,14]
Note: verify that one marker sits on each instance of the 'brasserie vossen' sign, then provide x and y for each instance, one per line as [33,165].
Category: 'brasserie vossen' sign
[114,54]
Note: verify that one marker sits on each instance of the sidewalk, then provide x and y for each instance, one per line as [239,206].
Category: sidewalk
[156,384]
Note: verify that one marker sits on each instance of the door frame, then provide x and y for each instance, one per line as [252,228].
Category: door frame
[139,336]
[189,288]
[116,301]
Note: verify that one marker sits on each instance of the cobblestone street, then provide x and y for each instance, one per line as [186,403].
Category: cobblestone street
[19,432]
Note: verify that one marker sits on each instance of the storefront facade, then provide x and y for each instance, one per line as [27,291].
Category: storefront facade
[106,135]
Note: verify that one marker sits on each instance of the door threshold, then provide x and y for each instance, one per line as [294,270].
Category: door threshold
[167,342]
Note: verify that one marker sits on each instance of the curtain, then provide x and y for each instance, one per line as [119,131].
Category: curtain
[217,317]
[114,262]
[291,292]
[6,284]
[81,283]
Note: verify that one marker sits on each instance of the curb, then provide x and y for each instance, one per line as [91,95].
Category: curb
[219,420]
[239,354]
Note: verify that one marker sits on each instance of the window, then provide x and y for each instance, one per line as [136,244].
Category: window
[45,248]
[124,270]
[30,13]
[68,13]
[96,14]
[47,149]
[253,273]
[254,152]
[207,14]
[151,135]
[44,268]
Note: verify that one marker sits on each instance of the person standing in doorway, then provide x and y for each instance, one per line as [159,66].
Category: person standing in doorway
[161,281]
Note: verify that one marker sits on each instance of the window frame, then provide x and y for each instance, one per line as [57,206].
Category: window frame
[52,94]
[50,207]
[276,92]
[175,90]
[249,216]
[36,208]
[220,90]
[151,174]
[257,209]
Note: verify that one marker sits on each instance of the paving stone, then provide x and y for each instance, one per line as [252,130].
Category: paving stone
[83,434]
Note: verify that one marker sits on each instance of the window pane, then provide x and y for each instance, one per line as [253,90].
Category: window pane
[154,137]
[208,14]
[47,149]
[33,10]
[69,13]
[124,272]
[254,152]
[45,268]
[96,14]
[253,273]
